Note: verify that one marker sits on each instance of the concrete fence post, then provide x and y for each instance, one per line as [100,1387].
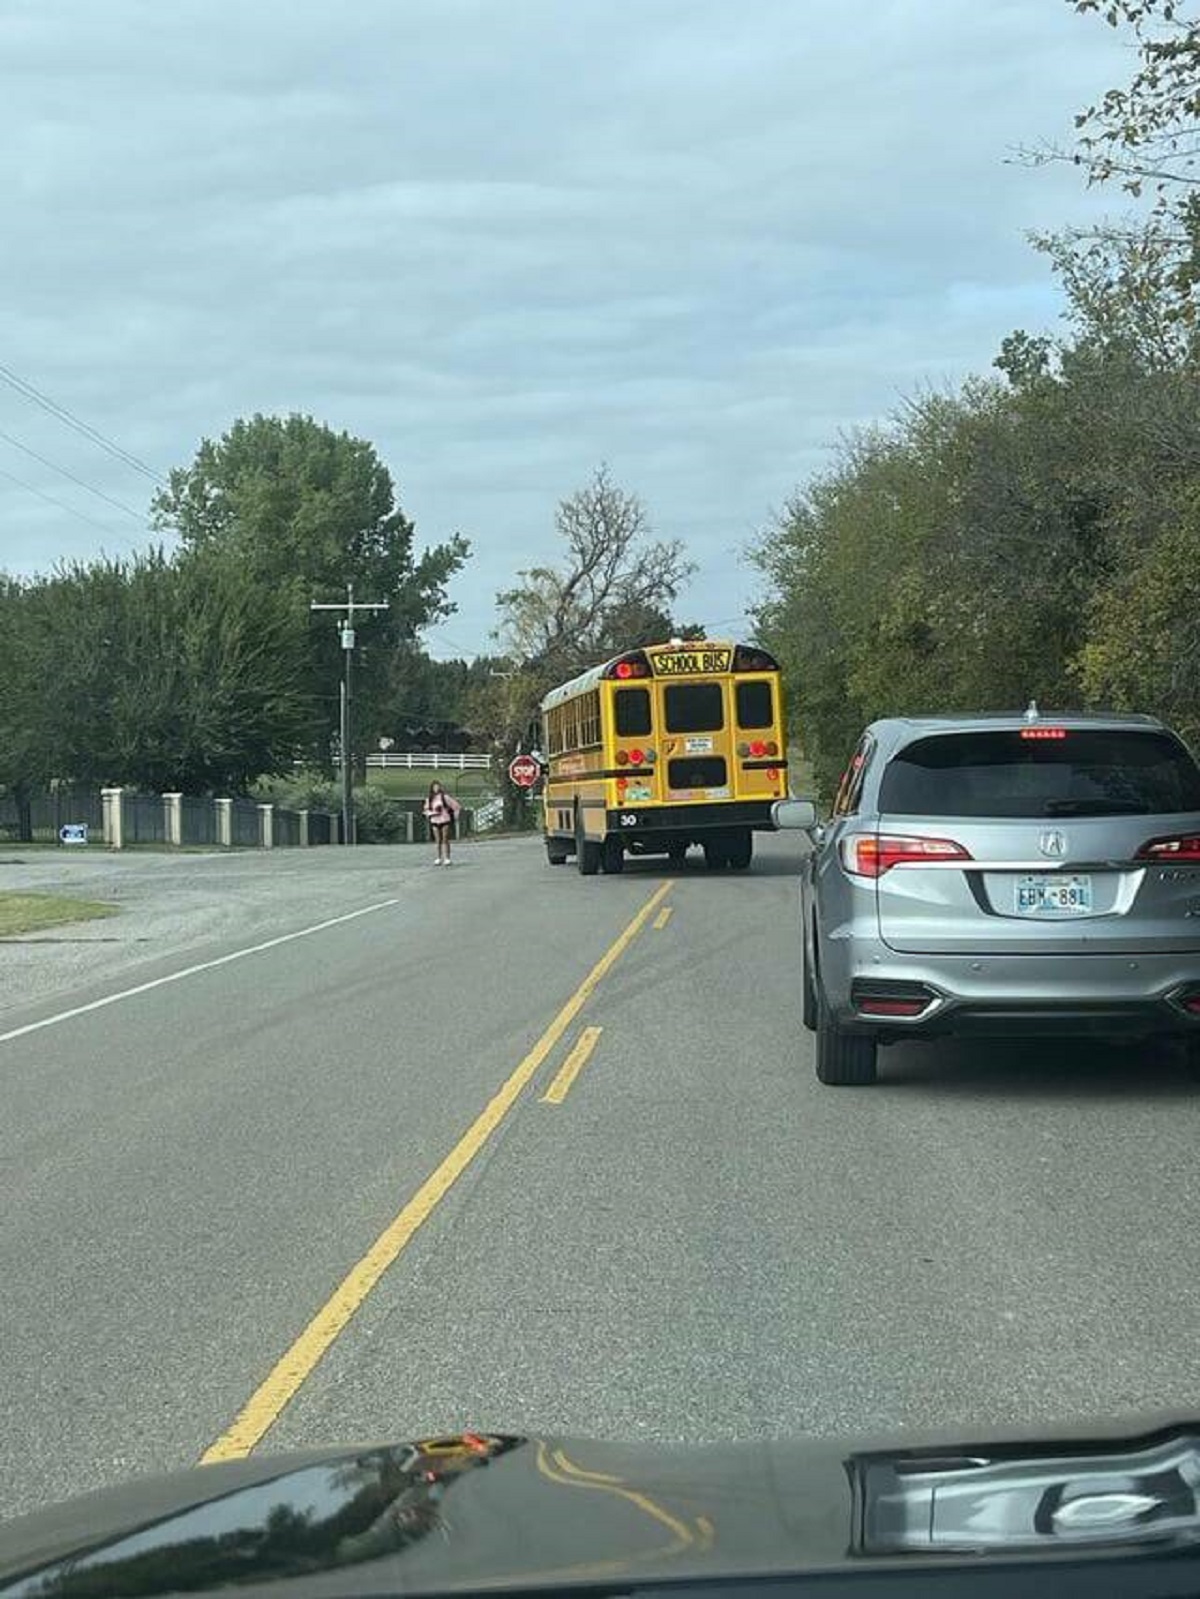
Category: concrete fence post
[409,827]
[173,819]
[112,809]
[224,810]
[303,827]
[266,826]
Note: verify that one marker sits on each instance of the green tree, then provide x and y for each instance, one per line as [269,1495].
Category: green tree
[1029,538]
[557,620]
[428,697]
[157,674]
[303,510]
[1037,535]
[22,755]
[1142,138]
[1143,650]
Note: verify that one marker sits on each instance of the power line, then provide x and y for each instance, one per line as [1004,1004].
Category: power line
[60,412]
[63,506]
[63,472]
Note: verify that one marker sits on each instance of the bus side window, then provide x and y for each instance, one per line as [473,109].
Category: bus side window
[755,705]
[632,712]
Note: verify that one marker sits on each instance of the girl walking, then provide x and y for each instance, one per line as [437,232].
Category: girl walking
[442,810]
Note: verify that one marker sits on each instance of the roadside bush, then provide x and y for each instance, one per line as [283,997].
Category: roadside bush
[379,820]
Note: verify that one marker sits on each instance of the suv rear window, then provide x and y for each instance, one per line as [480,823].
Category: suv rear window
[1087,772]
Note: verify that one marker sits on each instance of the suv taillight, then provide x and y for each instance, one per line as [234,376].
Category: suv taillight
[1178,847]
[872,854]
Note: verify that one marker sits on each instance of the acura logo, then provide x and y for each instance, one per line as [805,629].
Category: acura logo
[1052,842]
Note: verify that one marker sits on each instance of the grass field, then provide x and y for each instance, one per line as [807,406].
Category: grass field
[30,913]
[415,785]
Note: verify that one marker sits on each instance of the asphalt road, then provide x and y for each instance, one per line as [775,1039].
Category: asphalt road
[695,1241]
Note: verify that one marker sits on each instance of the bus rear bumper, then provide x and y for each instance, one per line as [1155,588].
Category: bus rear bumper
[692,821]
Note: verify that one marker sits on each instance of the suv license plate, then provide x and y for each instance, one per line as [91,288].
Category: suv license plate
[1054,896]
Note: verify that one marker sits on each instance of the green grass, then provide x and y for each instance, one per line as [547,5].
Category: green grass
[404,784]
[30,913]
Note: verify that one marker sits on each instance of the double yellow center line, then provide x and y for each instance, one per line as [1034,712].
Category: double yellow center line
[288,1375]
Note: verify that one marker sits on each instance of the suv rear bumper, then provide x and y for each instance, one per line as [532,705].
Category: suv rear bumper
[1013,995]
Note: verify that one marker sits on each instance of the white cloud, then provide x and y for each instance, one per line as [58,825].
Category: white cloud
[508,241]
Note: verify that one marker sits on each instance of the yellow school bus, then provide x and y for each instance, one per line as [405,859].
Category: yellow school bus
[661,748]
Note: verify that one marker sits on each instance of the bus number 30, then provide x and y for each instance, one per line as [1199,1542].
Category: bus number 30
[629,819]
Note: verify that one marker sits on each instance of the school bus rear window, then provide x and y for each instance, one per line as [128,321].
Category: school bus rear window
[694,708]
[633,712]
[754,705]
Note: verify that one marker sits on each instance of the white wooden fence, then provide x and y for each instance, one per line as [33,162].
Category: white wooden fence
[428,760]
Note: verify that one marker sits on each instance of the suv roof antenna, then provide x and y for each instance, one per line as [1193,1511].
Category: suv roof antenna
[1032,713]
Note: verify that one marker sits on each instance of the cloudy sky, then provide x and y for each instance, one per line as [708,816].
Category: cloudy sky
[508,239]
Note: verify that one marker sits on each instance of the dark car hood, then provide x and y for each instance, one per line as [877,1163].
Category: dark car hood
[477,1510]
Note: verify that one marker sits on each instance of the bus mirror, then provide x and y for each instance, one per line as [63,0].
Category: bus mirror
[794,815]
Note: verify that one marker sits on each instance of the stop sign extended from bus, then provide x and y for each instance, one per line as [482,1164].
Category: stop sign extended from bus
[524,771]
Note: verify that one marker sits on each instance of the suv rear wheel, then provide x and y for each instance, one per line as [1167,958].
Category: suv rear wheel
[844,1060]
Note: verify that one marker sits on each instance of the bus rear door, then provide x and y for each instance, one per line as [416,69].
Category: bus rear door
[694,715]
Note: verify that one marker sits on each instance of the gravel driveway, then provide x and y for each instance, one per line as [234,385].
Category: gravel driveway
[179,902]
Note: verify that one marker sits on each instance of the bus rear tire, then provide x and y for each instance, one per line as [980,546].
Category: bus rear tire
[741,850]
[677,854]
[557,852]
[612,857]
[587,852]
[716,856]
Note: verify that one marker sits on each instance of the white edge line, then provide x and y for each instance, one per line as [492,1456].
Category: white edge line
[191,971]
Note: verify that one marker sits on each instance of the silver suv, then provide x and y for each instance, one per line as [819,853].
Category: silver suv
[1002,875]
